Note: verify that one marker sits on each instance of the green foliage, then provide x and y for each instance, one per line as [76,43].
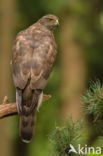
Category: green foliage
[93,107]
[62,137]
[93,100]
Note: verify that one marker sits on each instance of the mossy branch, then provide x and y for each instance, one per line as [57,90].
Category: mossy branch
[9,109]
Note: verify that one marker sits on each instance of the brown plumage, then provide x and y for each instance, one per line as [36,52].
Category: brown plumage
[34,53]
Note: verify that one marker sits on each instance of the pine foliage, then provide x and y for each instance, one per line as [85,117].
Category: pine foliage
[63,137]
[93,100]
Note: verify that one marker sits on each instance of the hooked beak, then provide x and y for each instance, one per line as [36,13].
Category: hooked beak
[57,22]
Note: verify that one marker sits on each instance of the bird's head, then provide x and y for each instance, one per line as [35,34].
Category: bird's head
[49,21]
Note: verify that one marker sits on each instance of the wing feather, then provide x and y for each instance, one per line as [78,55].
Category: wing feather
[33,59]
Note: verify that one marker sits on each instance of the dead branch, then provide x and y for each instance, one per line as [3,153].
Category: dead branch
[9,109]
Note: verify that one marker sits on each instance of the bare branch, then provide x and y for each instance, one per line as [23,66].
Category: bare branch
[9,109]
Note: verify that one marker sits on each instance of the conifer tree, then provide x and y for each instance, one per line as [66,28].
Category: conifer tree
[75,133]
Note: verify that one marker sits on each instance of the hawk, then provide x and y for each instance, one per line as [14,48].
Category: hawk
[34,54]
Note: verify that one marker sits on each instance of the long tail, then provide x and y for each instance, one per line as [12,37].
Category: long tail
[28,109]
[26,127]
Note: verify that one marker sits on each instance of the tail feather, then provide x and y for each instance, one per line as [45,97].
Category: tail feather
[26,128]
[28,111]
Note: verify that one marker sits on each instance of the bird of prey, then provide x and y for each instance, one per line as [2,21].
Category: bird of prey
[34,54]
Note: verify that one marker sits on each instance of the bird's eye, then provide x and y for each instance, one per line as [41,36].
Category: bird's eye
[49,20]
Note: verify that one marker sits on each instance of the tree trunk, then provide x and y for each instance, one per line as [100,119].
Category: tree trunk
[6,35]
[73,70]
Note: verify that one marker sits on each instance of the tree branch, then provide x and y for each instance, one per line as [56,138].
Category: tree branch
[9,109]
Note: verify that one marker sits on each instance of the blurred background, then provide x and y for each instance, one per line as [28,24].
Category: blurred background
[79,59]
